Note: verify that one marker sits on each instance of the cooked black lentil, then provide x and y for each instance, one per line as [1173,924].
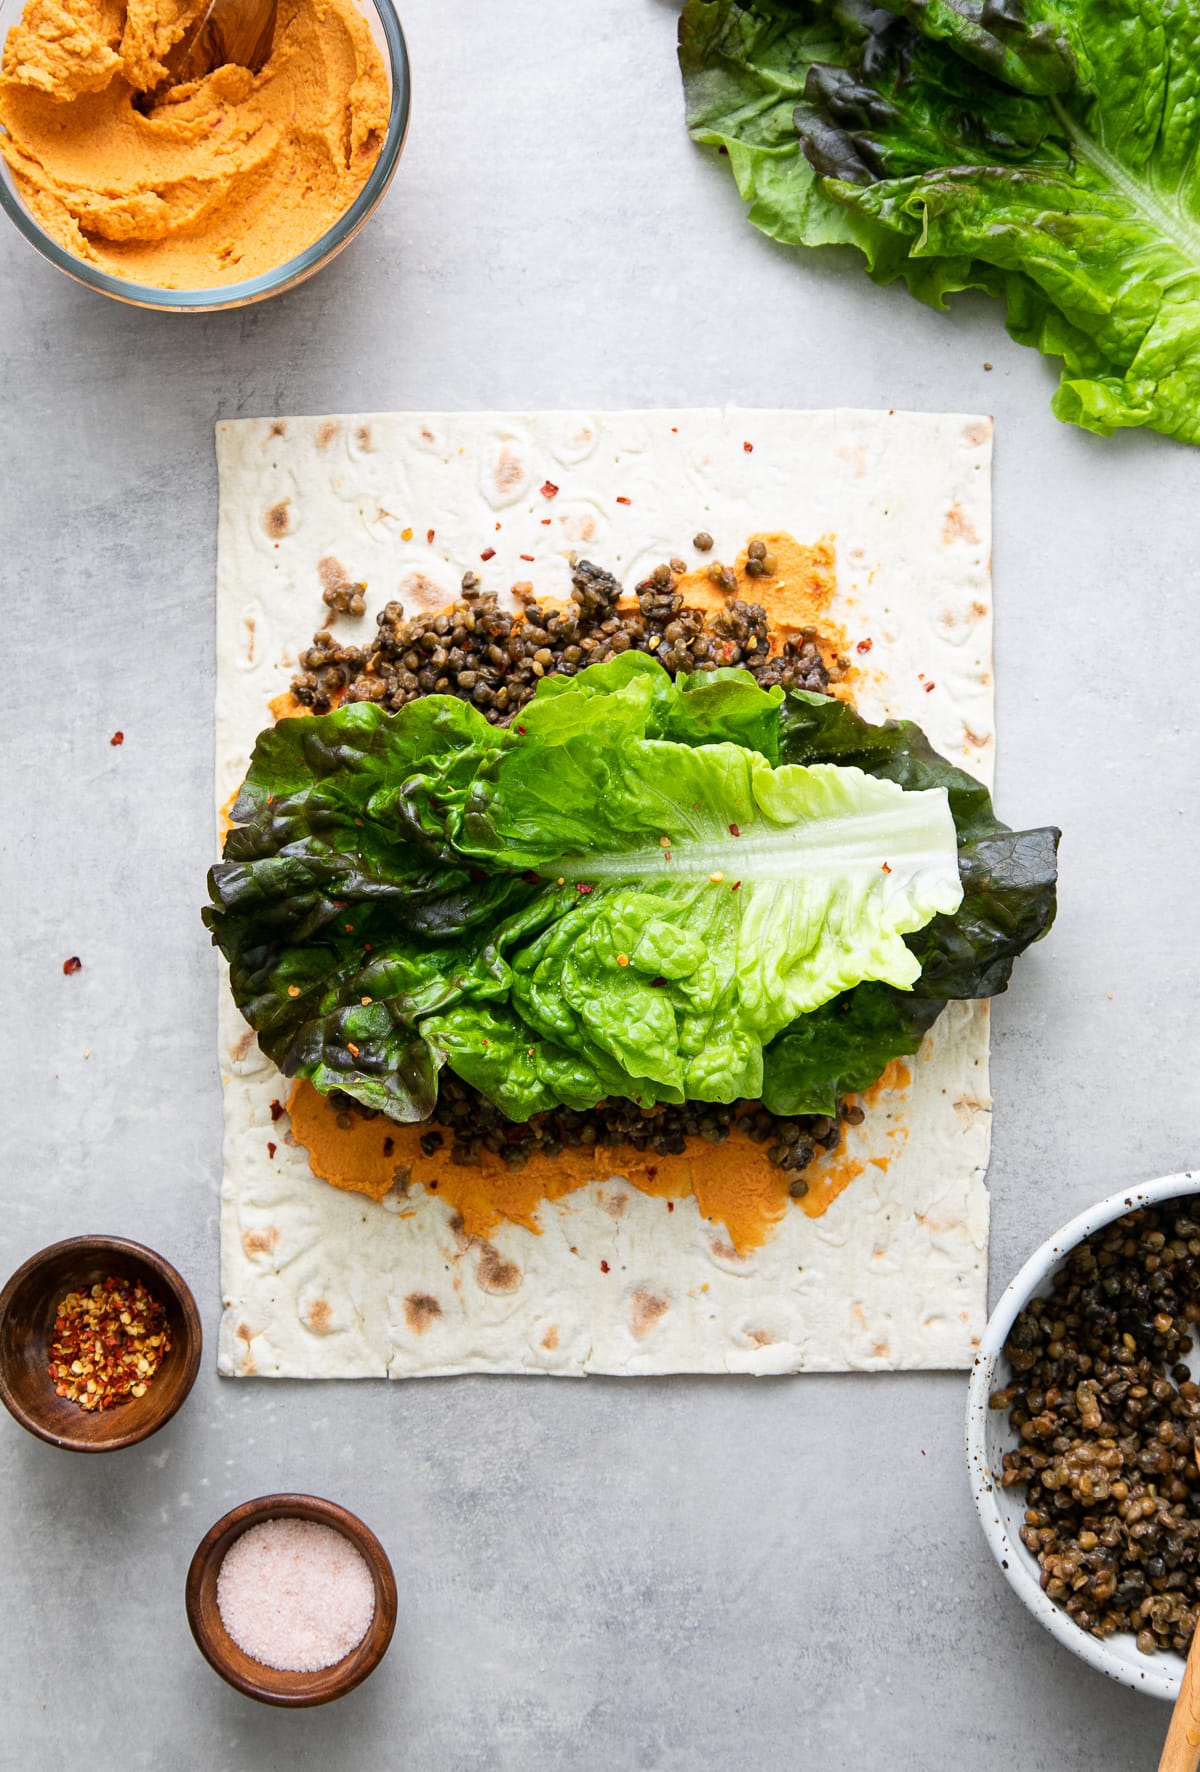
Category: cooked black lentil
[474,1125]
[1107,1415]
[495,658]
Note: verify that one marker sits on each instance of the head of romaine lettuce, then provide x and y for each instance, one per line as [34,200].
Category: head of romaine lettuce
[662,890]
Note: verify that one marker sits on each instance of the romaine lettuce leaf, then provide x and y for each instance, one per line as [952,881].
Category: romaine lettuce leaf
[1045,151]
[610,898]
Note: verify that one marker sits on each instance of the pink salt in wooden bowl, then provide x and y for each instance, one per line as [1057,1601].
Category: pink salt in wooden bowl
[271,1685]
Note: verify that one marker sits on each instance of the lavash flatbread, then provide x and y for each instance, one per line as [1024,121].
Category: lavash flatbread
[319,1283]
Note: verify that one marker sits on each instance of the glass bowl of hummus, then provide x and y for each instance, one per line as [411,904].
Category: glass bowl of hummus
[209,194]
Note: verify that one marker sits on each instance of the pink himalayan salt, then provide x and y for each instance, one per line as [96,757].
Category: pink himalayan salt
[295,1594]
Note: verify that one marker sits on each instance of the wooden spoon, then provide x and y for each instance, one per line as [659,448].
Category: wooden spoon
[1181,1751]
[224,31]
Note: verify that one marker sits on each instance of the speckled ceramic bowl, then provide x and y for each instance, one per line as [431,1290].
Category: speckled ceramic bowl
[384,21]
[989,1437]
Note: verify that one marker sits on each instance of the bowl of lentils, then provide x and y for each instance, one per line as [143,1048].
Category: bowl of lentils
[1082,1428]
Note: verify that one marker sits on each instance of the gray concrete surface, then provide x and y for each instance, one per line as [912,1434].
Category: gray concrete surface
[744,1576]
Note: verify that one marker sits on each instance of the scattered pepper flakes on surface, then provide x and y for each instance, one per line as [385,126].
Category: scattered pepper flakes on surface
[583,889]
[546,521]
[353,1050]
[74,964]
[603,1267]
[670,1205]
[271,1149]
[108,1343]
[749,448]
[277,1110]
[624,501]
[735,830]
[527,556]
[117,738]
[488,554]
[929,688]
[549,489]
[886,868]
[429,535]
[521,730]
[735,886]
[864,646]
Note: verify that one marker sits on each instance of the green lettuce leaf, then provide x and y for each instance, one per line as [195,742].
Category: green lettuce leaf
[1046,153]
[611,898]
[1008,902]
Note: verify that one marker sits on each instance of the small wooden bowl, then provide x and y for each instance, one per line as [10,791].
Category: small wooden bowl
[271,1685]
[27,1308]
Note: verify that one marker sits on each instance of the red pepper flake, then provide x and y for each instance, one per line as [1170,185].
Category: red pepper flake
[271,1149]
[366,947]
[624,501]
[74,964]
[749,448]
[886,868]
[546,521]
[488,554]
[864,646]
[389,1145]
[117,738]
[531,879]
[670,1203]
[675,429]
[582,890]
[352,1049]
[735,830]
[277,1110]
[929,688]
[429,535]
[349,928]
[549,489]
[735,886]
[527,556]
[603,1267]
[109,1341]
[521,730]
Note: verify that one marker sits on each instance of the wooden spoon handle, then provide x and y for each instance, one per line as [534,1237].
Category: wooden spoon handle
[1181,1751]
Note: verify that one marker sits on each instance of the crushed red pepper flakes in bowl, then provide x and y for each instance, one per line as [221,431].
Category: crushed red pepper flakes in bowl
[108,1343]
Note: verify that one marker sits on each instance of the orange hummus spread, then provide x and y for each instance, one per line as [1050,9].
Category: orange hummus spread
[211,182]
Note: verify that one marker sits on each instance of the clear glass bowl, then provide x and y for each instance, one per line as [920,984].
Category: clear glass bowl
[385,27]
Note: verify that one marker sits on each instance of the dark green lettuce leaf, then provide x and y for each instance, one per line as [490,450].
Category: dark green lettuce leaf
[843,1047]
[1046,153]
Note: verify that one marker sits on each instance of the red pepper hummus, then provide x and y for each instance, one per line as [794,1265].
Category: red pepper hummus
[216,180]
